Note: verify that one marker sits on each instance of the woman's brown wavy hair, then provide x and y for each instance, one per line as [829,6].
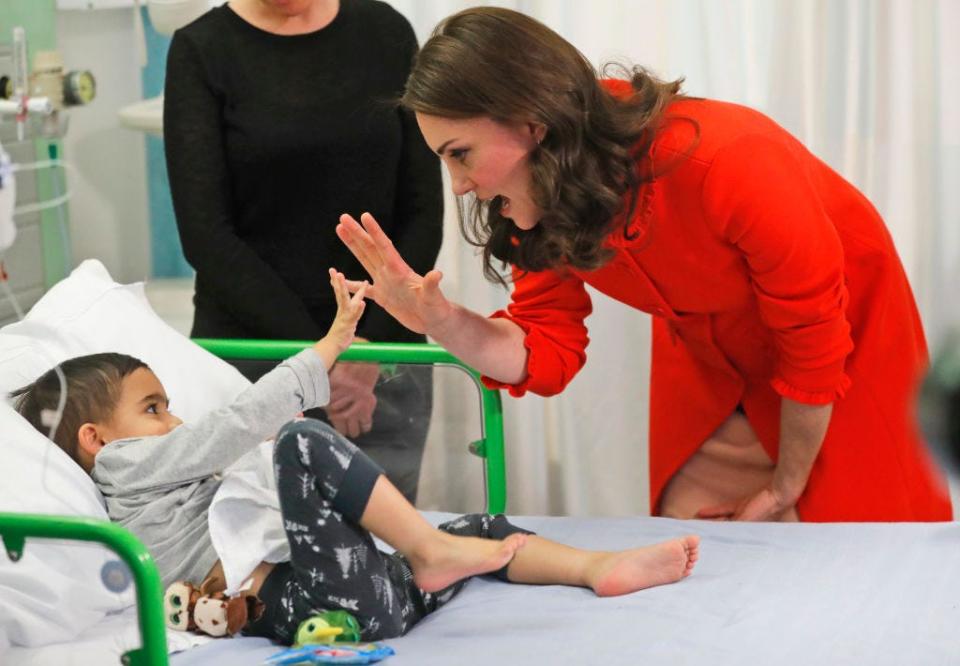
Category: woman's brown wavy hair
[504,65]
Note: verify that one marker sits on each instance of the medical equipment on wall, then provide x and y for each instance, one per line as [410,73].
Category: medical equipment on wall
[43,94]
[45,91]
[49,81]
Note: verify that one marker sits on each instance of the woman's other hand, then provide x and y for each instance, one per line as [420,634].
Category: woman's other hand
[415,301]
[352,400]
[765,505]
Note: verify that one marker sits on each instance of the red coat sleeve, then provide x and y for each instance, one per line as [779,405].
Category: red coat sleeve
[760,193]
[550,308]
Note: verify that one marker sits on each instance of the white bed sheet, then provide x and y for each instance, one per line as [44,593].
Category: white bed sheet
[761,593]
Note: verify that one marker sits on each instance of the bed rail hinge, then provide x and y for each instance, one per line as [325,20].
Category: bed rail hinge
[478,448]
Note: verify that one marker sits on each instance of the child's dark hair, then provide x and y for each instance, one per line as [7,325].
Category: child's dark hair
[93,391]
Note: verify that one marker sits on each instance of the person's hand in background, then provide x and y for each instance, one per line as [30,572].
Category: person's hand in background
[352,401]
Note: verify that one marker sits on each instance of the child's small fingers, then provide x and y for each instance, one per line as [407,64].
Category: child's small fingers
[342,288]
[336,283]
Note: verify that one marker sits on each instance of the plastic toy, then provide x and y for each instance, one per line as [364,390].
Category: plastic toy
[356,653]
[327,627]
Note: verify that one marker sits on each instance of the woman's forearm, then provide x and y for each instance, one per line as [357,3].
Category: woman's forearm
[494,347]
[802,430]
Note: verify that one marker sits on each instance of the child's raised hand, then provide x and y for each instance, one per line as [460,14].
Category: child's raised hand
[349,310]
[344,326]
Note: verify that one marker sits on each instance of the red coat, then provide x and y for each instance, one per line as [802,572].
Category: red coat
[768,275]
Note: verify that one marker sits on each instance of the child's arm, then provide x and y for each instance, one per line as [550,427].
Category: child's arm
[197,450]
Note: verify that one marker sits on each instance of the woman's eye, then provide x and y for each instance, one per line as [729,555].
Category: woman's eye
[152,409]
[459,154]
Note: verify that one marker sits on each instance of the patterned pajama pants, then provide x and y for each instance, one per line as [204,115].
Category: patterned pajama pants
[324,483]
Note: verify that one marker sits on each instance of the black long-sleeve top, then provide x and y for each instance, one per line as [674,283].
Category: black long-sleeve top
[268,140]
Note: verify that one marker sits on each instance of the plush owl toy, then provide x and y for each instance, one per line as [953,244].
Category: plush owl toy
[188,608]
[178,603]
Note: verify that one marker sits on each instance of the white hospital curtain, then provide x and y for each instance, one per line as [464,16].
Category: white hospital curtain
[870,87]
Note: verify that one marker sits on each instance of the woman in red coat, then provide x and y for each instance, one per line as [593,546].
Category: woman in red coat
[787,346]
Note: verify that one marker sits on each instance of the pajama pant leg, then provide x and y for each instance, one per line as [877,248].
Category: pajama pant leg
[324,483]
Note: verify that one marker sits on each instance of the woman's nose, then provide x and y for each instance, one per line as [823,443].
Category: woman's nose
[462,185]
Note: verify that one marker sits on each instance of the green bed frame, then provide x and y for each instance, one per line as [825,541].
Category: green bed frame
[16,528]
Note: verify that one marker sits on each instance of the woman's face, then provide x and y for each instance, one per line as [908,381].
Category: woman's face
[489,159]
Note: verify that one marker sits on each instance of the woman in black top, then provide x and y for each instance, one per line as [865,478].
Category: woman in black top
[278,119]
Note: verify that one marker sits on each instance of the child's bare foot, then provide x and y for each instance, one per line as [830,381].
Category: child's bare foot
[631,570]
[449,558]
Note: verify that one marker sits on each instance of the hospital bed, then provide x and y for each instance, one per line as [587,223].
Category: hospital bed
[761,593]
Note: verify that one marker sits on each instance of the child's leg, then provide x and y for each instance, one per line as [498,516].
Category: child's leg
[324,484]
[331,493]
[438,559]
[545,562]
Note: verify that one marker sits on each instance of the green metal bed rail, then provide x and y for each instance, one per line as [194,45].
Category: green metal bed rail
[490,445]
[16,527]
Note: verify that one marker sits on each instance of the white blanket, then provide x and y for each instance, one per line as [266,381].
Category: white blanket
[246,527]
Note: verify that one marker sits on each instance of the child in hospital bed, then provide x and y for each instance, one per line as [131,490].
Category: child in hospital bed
[159,475]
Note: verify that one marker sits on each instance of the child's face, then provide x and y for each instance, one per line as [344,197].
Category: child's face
[143,409]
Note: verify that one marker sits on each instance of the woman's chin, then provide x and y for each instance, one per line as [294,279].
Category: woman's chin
[522,225]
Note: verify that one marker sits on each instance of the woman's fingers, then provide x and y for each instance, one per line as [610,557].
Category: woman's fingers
[358,241]
[370,291]
[382,243]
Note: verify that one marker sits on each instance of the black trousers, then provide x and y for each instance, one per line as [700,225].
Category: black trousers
[324,483]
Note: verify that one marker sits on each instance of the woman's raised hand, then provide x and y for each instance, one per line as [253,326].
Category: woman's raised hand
[415,301]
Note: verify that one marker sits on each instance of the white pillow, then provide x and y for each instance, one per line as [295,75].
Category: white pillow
[54,592]
[87,313]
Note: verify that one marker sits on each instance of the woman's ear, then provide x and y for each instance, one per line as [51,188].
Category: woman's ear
[89,439]
[538,131]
